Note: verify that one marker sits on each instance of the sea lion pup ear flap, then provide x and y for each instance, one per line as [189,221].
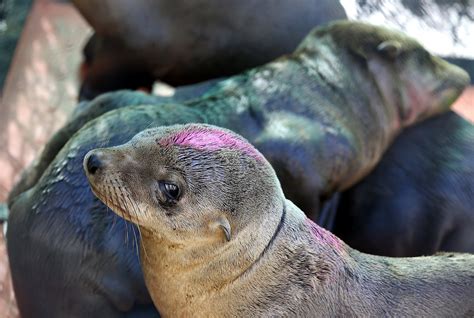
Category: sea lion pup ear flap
[223,224]
[390,48]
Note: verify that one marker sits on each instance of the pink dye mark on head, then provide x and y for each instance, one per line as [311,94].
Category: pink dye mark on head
[210,138]
[323,236]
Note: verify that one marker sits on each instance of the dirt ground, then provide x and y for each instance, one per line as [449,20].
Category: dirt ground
[40,93]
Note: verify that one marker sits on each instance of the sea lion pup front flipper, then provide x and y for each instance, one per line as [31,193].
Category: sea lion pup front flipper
[277,262]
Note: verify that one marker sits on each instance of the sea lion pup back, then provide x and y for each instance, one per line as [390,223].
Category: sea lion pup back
[220,239]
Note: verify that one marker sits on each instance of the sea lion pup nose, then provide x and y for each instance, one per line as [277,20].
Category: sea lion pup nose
[219,239]
[92,163]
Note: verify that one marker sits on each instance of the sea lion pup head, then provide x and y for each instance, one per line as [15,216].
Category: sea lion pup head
[407,75]
[185,184]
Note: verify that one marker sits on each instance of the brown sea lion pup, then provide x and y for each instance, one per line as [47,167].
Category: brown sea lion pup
[219,239]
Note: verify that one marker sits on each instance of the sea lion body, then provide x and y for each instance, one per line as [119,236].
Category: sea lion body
[219,239]
[322,116]
[418,200]
[182,43]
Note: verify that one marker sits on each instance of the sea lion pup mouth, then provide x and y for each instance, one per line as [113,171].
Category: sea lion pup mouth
[185,184]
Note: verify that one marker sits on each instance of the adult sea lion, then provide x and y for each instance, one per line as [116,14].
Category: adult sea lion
[322,116]
[419,198]
[219,239]
[184,42]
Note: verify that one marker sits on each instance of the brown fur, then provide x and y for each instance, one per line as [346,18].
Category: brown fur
[232,245]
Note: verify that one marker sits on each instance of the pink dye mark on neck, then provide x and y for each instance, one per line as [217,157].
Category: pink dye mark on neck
[323,236]
[210,138]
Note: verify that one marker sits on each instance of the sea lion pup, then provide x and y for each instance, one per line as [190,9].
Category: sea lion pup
[219,239]
[419,198]
[321,116]
[186,42]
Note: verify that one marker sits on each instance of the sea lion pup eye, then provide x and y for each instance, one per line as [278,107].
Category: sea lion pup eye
[170,190]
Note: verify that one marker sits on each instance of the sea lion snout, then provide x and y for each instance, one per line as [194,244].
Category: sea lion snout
[432,90]
[98,162]
[452,81]
[92,163]
[105,169]
[95,162]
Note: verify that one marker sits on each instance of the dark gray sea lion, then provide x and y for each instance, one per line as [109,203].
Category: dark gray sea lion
[419,198]
[184,42]
[322,116]
[108,66]
[219,239]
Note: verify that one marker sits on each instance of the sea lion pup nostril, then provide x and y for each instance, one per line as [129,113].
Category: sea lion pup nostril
[93,163]
[232,245]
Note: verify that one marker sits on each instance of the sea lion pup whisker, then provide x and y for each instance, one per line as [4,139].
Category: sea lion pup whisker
[135,210]
[112,199]
[114,220]
[221,239]
[132,213]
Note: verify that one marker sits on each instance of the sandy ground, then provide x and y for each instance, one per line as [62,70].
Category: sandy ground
[39,94]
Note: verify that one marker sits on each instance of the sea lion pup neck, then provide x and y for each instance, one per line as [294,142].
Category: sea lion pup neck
[219,239]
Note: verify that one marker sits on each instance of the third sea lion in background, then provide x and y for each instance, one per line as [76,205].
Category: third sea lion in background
[419,198]
[184,42]
[219,239]
[322,116]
